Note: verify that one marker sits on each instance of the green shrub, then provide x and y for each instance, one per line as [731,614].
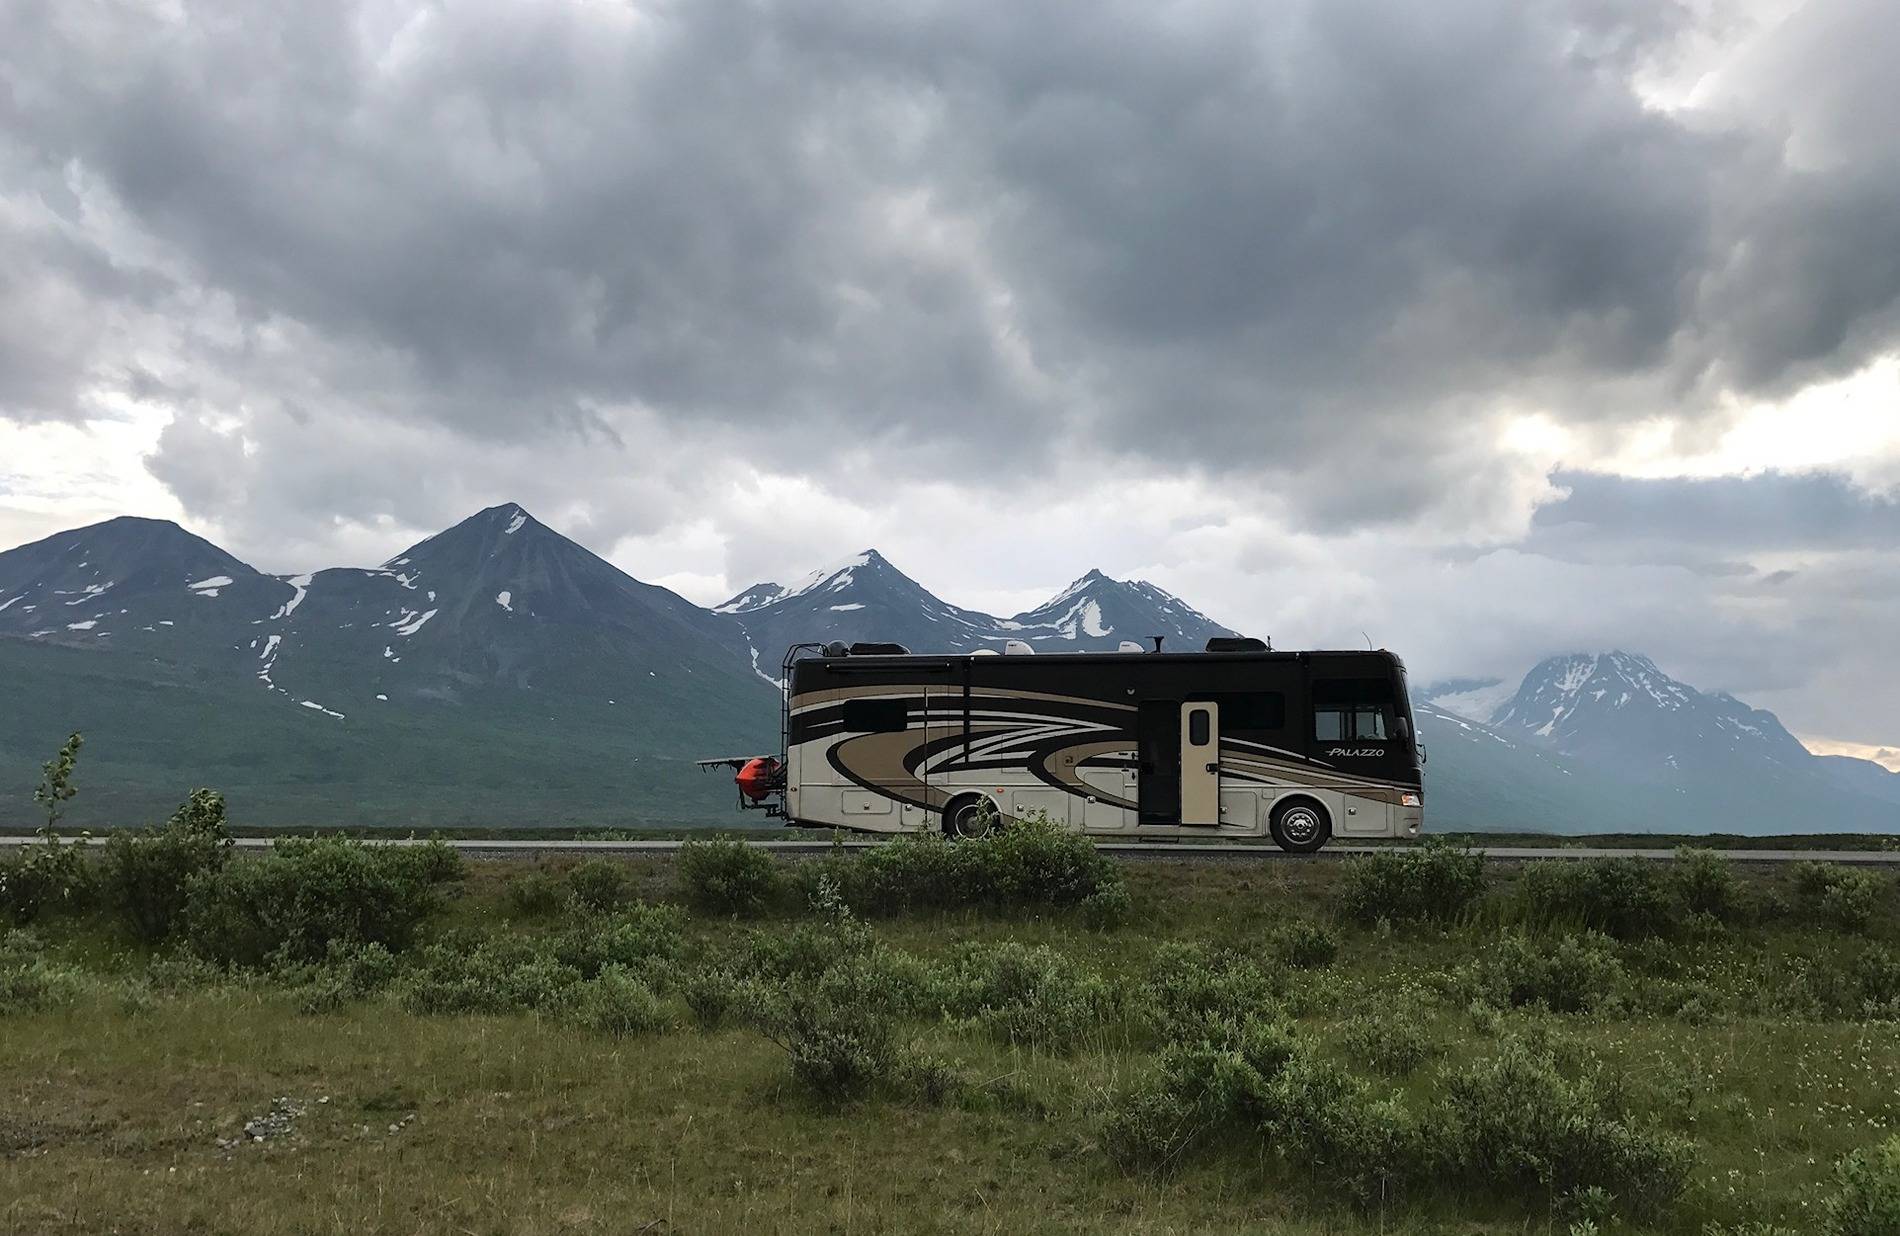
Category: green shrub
[147,874]
[348,972]
[1866,1197]
[1187,985]
[308,894]
[1210,1086]
[1108,907]
[1031,863]
[534,895]
[1877,974]
[1028,996]
[1254,1080]
[1628,898]
[838,1028]
[718,876]
[617,1003]
[1514,1122]
[597,884]
[30,986]
[487,976]
[641,939]
[1571,974]
[1306,945]
[1706,883]
[1843,898]
[1432,882]
[711,994]
[47,875]
[1389,1044]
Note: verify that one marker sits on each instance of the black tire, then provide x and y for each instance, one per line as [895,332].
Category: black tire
[970,817]
[1301,826]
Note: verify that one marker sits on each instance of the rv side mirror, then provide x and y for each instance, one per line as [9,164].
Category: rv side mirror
[1404,728]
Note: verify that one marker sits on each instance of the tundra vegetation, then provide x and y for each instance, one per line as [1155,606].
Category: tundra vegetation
[1006,1034]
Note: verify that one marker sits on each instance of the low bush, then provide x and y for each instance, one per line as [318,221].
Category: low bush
[711,994]
[1306,945]
[475,975]
[348,972]
[1513,1121]
[1028,996]
[1032,863]
[30,980]
[724,877]
[642,939]
[1187,985]
[309,894]
[1386,1043]
[1432,882]
[49,875]
[535,894]
[148,875]
[1865,1199]
[837,1028]
[1843,898]
[1706,883]
[1254,1079]
[1570,974]
[598,884]
[618,1003]
[1628,898]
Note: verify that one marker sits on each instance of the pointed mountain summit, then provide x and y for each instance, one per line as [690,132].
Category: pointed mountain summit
[1097,611]
[124,578]
[1619,705]
[860,598]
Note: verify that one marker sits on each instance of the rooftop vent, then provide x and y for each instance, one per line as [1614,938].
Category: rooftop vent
[1129,645]
[1236,643]
[879,650]
[1017,648]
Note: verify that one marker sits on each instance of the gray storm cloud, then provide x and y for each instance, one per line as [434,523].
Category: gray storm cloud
[377,259]
[1280,228]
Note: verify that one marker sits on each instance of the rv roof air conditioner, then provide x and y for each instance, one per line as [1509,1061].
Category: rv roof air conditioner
[1236,643]
[1017,648]
[879,650]
[1129,645]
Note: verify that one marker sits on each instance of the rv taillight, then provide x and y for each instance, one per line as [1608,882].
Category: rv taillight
[758,777]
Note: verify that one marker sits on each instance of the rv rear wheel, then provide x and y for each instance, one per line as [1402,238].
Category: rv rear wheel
[970,817]
[1300,826]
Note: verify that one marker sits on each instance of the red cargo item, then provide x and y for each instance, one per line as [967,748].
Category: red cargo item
[758,777]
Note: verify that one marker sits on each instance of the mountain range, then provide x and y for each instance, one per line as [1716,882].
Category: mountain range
[499,673]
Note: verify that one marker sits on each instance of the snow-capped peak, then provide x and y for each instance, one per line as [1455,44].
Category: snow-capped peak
[833,578]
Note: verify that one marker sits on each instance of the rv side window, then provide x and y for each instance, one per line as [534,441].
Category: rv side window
[876,716]
[1242,712]
[1334,723]
[1197,728]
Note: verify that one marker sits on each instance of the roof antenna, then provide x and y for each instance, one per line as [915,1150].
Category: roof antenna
[1368,640]
[1157,639]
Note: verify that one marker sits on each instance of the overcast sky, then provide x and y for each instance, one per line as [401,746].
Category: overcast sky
[1490,328]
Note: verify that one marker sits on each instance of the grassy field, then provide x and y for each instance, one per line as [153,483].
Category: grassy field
[543,1050]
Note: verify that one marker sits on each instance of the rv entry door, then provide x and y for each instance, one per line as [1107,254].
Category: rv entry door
[1200,762]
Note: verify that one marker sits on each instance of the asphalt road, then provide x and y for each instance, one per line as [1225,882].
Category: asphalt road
[499,847]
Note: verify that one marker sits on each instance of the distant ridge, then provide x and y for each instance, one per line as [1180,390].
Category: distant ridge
[497,672]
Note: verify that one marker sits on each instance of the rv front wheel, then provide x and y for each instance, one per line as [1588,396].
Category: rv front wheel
[970,817]
[1300,826]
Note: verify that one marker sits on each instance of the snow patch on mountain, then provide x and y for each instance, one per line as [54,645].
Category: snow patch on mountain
[209,587]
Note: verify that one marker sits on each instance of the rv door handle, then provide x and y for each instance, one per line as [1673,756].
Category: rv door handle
[1213,768]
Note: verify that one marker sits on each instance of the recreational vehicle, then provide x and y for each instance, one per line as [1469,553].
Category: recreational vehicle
[1233,741]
